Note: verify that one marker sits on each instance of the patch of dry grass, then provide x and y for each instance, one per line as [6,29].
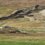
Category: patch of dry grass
[15,37]
[5,11]
[23,24]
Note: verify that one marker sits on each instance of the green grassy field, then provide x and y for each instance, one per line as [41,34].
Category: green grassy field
[32,42]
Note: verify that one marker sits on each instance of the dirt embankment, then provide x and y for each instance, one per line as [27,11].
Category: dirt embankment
[21,3]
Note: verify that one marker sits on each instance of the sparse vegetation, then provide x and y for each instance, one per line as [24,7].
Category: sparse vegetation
[20,31]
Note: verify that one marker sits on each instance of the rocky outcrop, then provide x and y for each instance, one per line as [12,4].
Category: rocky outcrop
[20,13]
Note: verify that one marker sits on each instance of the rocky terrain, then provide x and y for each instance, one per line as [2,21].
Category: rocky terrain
[36,12]
[28,15]
[8,6]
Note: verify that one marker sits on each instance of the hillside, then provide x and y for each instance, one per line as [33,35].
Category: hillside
[21,3]
[8,6]
[22,22]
